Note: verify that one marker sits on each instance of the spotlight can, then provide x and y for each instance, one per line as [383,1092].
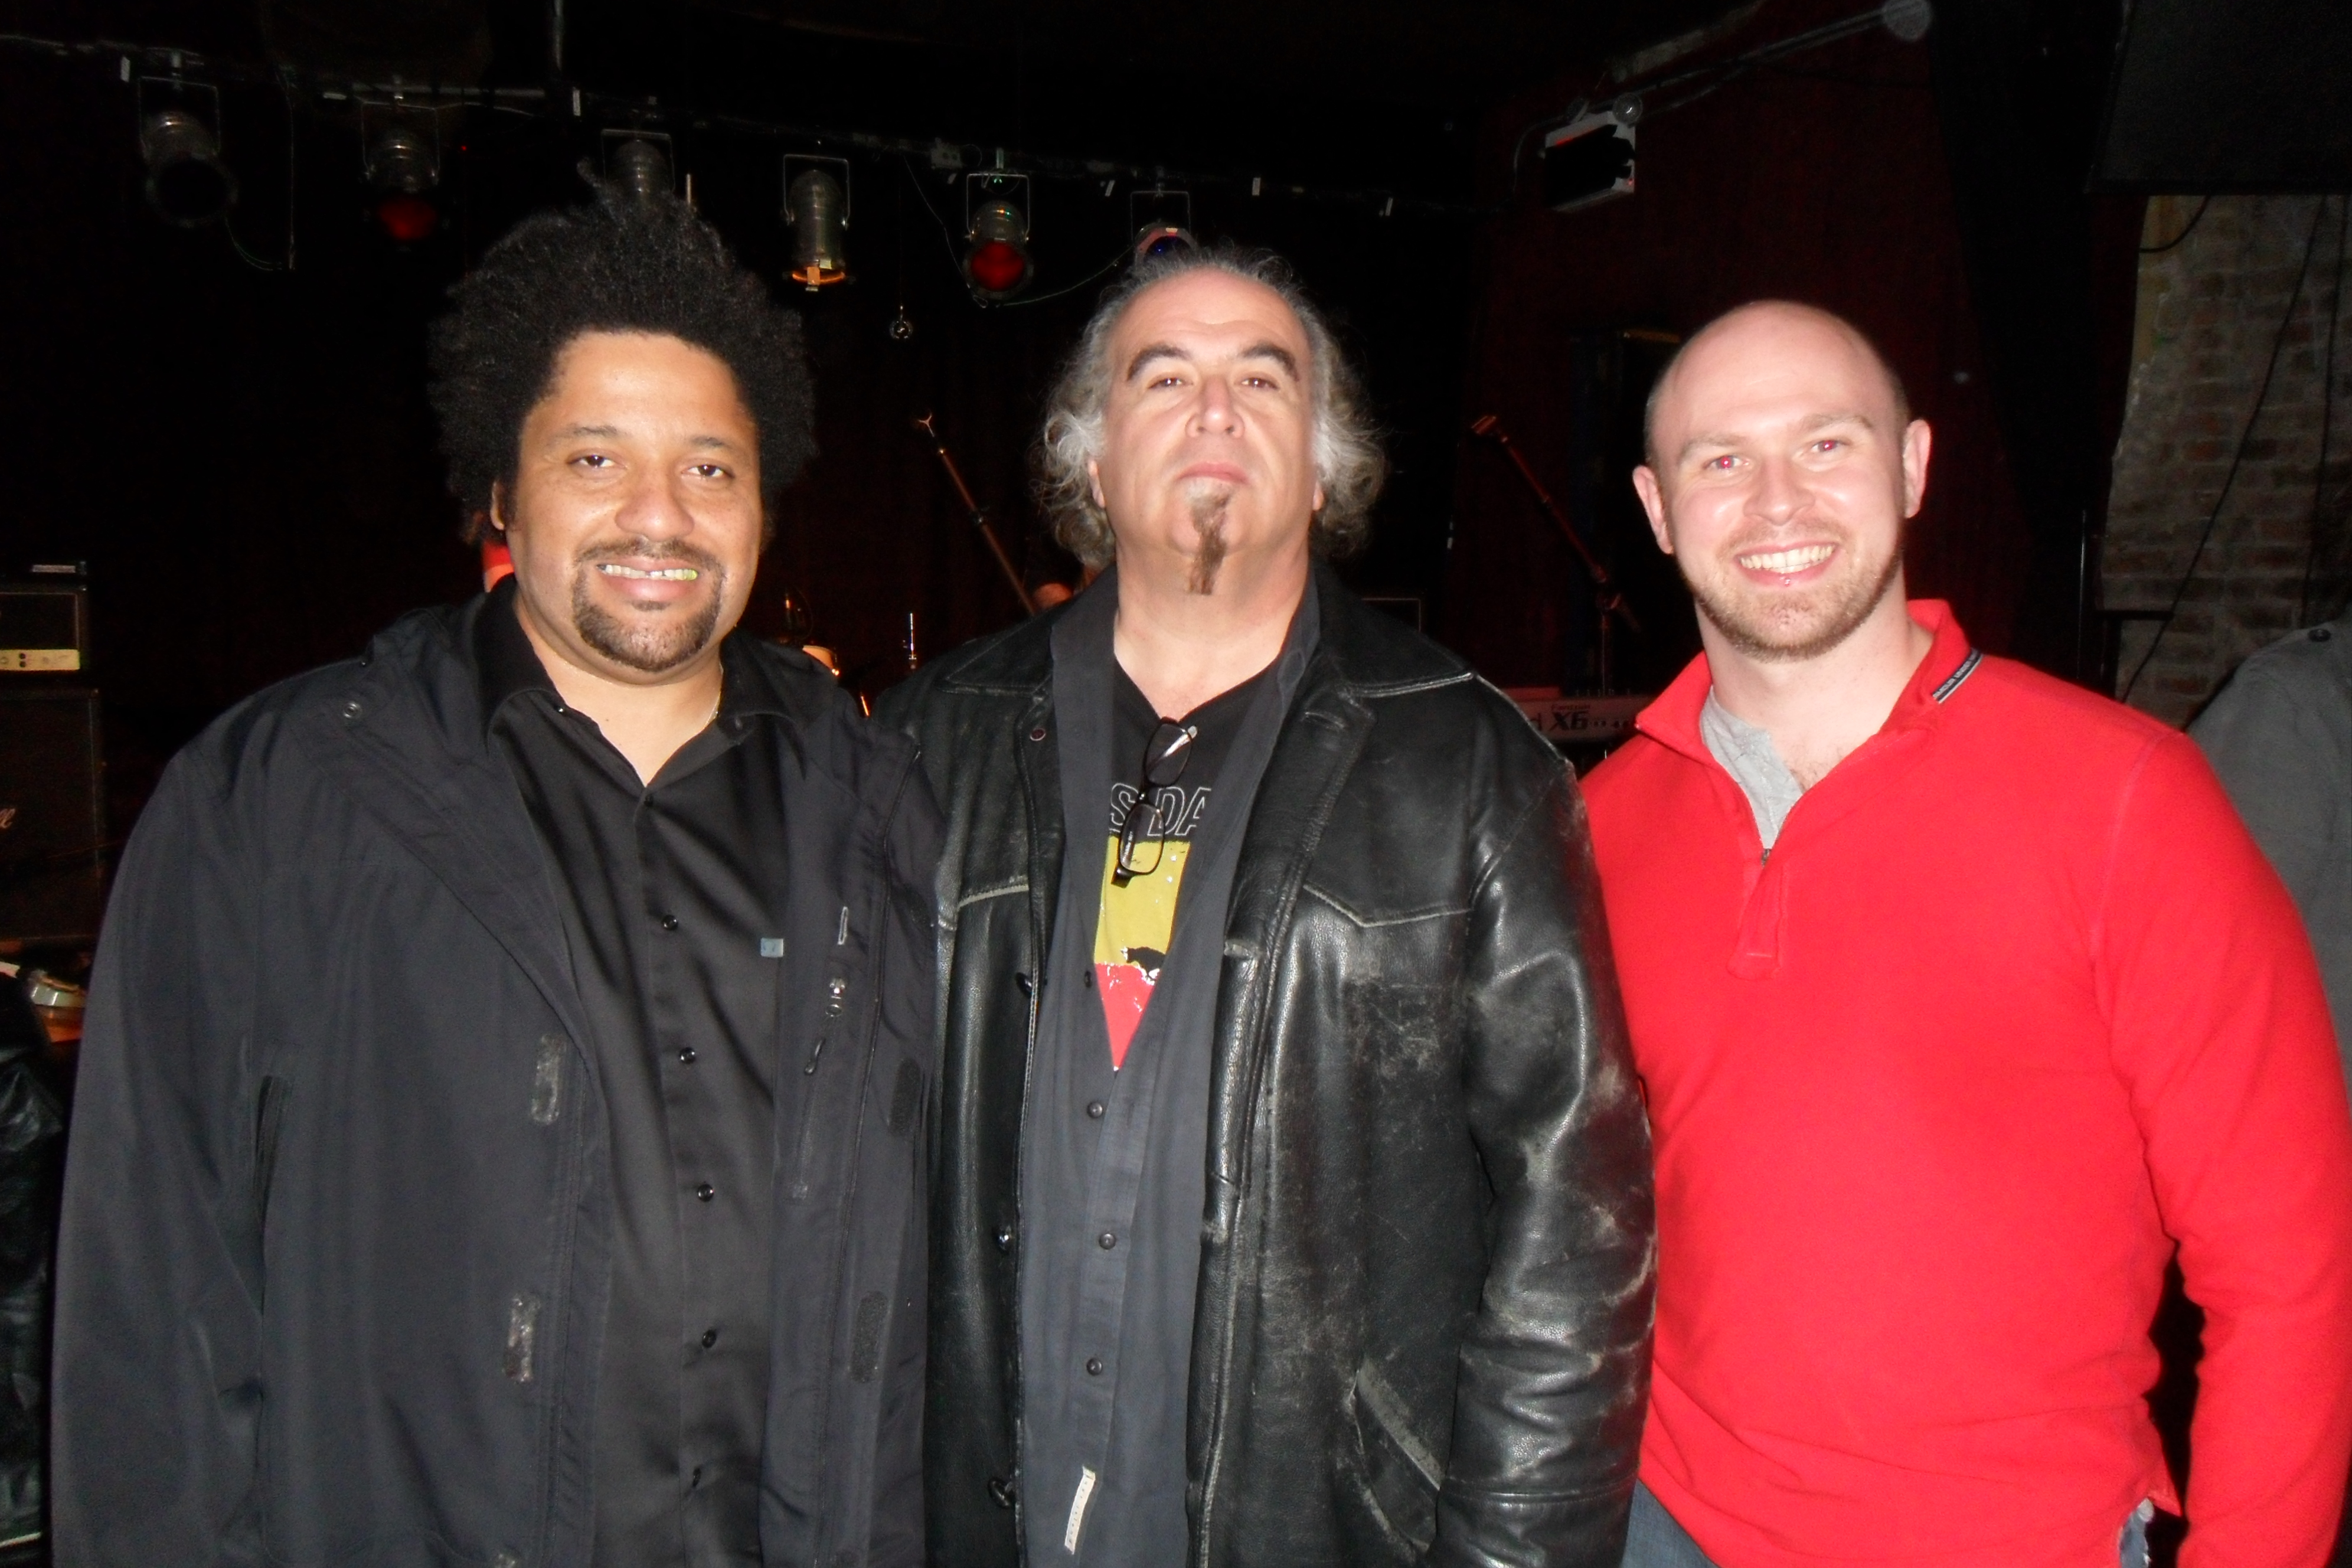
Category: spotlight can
[996,235]
[1161,220]
[816,210]
[641,164]
[187,181]
[400,156]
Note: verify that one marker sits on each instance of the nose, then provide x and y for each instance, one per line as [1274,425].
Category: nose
[1779,494]
[656,508]
[1215,412]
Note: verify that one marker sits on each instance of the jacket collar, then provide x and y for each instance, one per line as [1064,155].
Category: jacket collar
[407,739]
[506,665]
[1673,719]
[1357,650]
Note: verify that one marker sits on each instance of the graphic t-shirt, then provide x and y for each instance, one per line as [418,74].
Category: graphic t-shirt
[1137,916]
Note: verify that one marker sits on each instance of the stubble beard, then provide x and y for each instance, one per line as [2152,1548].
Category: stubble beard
[653,646]
[1798,628]
[1209,522]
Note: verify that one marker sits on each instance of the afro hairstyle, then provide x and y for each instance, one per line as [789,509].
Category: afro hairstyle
[622,263]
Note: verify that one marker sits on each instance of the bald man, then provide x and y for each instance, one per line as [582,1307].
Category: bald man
[1963,1004]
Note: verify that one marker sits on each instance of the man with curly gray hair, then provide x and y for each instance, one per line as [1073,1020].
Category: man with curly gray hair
[1290,1195]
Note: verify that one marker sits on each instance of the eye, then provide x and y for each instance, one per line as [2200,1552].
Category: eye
[1827,444]
[594,460]
[1167,381]
[709,470]
[1719,464]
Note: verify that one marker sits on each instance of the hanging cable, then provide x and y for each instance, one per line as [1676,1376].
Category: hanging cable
[2237,459]
[2327,410]
[2186,230]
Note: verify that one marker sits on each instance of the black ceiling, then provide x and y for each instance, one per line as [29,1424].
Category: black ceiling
[1460,57]
[1379,94]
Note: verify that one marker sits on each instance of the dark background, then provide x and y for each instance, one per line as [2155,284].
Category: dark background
[229,425]
[242,455]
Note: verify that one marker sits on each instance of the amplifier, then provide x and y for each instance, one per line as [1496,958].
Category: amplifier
[52,815]
[44,628]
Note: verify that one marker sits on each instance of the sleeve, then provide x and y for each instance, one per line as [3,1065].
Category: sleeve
[897,1539]
[1554,1374]
[158,1383]
[2282,749]
[2221,1034]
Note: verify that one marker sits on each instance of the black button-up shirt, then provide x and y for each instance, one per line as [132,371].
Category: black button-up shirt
[1115,1166]
[673,897]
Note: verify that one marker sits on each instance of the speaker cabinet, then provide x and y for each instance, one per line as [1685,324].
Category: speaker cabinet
[52,815]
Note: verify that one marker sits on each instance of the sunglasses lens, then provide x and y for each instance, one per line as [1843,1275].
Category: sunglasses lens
[1171,748]
[1138,856]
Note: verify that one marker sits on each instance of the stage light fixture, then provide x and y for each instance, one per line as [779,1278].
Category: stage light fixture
[400,156]
[1161,220]
[1591,158]
[996,234]
[816,210]
[640,162]
[186,181]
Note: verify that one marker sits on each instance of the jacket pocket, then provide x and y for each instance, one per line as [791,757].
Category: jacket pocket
[1400,1473]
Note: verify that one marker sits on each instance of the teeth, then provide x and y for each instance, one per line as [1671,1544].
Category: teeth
[667,574]
[1789,559]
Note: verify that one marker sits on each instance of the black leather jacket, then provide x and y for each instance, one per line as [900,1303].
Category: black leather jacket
[1426,1262]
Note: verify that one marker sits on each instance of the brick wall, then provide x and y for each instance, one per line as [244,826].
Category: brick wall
[2210,309]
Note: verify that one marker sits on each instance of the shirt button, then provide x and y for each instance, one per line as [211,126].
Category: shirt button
[685,1055]
[670,923]
[1095,1109]
[709,1338]
[1094,1366]
[1004,1239]
[1106,1241]
[705,1191]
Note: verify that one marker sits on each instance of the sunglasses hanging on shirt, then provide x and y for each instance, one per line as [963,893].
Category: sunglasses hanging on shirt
[1163,763]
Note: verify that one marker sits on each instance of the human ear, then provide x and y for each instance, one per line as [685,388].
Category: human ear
[1919,441]
[1653,502]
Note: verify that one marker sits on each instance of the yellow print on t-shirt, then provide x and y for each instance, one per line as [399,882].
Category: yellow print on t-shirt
[1138,916]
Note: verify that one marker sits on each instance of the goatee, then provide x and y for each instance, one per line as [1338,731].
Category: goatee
[1803,629]
[1209,522]
[654,647]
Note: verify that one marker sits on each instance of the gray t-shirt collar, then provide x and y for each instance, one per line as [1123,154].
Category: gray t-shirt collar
[1747,754]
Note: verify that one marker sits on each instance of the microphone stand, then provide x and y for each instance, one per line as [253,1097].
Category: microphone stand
[929,426]
[1608,599]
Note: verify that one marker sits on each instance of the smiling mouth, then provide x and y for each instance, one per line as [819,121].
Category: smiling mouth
[664,574]
[1796,560]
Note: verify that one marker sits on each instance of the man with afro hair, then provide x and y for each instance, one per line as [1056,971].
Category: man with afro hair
[500,1128]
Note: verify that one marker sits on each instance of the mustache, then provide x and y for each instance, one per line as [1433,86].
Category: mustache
[639,548]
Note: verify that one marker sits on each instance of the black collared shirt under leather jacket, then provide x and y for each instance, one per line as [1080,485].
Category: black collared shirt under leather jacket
[338,1209]
[1426,1263]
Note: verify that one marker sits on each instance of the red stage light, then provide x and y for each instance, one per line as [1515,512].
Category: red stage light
[998,266]
[407,219]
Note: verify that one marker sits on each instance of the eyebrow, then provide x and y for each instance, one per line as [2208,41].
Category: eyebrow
[613,432]
[1805,426]
[1266,350]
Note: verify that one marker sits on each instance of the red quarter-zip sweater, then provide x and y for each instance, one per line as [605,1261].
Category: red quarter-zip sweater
[2013,1007]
